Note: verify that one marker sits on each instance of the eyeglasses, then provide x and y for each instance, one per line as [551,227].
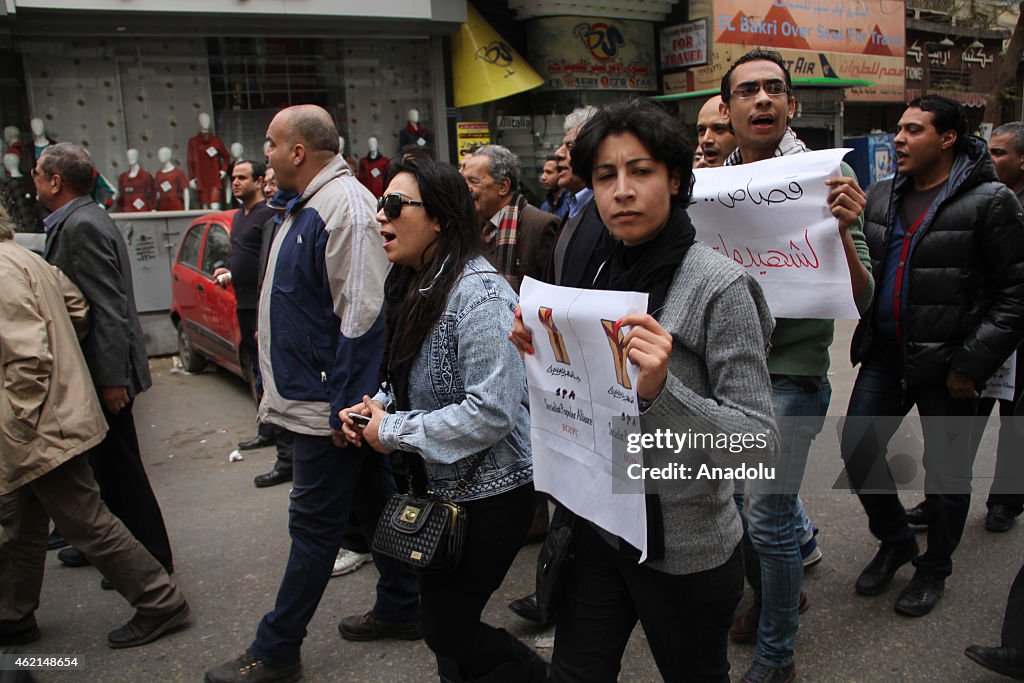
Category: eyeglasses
[391,205]
[35,172]
[772,88]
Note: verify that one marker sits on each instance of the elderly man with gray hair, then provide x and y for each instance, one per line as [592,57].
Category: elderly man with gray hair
[517,236]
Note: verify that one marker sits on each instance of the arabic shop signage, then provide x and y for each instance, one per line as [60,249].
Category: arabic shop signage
[818,39]
[585,53]
[684,44]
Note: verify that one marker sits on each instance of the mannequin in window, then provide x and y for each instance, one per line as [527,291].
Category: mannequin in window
[372,168]
[135,186]
[17,197]
[237,150]
[171,184]
[413,133]
[207,165]
[40,140]
[13,145]
[350,160]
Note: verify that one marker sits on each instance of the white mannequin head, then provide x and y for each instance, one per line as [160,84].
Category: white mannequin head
[204,122]
[11,163]
[373,145]
[237,150]
[38,127]
[164,155]
[11,134]
[414,115]
[133,157]
[266,147]
[341,145]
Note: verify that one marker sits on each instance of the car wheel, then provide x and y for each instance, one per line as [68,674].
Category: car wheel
[191,359]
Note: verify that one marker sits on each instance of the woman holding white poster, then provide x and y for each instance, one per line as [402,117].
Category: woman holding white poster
[701,350]
[455,403]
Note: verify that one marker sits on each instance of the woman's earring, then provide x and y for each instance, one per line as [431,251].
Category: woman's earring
[437,229]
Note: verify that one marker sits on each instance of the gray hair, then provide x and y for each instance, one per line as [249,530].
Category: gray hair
[6,226]
[1014,128]
[72,164]
[577,117]
[504,164]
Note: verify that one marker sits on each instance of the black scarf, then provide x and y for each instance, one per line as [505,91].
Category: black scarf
[650,267]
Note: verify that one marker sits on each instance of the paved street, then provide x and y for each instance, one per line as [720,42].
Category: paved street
[230,541]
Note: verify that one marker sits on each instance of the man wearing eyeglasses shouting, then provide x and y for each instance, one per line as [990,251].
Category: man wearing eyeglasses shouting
[321,342]
[757,98]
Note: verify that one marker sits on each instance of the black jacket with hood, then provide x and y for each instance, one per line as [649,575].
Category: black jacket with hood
[965,292]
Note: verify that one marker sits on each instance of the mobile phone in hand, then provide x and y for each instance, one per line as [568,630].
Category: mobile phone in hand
[360,420]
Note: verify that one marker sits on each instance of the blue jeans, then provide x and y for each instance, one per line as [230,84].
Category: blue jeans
[327,483]
[800,409]
[878,405]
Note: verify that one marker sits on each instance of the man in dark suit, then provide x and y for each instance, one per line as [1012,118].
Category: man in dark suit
[83,242]
[583,244]
[517,236]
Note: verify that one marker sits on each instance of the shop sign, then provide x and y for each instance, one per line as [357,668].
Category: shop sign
[515,123]
[470,135]
[581,53]
[413,9]
[684,44]
[817,38]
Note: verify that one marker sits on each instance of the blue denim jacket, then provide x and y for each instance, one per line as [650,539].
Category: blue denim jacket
[467,387]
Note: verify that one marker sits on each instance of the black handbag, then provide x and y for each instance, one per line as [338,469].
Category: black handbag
[554,562]
[425,531]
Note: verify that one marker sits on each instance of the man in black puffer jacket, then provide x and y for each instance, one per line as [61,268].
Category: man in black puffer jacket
[947,254]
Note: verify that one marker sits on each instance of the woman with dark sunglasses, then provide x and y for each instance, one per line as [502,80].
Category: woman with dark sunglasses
[455,395]
[701,350]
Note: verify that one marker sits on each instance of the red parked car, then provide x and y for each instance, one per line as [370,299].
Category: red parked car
[202,311]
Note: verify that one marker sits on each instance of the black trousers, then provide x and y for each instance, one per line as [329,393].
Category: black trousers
[686,617]
[1013,621]
[451,603]
[247,321]
[124,486]
[1008,482]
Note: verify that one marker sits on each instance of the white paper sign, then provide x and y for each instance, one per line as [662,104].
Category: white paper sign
[581,384]
[375,172]
[138,204]
[1003,381]
[166,186]
[772,218]
[211,151]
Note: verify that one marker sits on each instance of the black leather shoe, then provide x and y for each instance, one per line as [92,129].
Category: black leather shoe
[73,557]
[1000,518]
[55,541]
[20,632]
[879,572]
[919,514]
[528,609]
[259,442]
[272,478]
[248,669]
[1008,661]
[921,595]
[363,627]
[142,629]
[762,673]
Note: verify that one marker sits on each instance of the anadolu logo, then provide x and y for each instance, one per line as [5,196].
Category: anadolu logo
[603,41]
[498,53]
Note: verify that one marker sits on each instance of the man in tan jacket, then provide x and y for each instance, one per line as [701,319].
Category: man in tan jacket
[49,415]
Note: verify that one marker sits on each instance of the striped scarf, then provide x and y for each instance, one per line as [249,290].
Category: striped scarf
[789,144]
[506,234]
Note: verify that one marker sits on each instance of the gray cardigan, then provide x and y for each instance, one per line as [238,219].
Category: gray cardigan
[717,382]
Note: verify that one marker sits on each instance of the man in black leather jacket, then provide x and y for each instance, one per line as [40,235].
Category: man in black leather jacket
[947,251]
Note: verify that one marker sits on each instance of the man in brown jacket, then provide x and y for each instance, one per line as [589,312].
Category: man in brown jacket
[517,236]
[49,415]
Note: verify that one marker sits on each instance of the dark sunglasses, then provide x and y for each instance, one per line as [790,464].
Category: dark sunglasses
[391,205]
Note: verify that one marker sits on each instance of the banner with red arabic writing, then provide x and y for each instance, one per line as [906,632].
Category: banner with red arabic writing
[586,53]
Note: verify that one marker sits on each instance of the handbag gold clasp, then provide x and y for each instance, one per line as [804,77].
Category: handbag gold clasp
[410,513]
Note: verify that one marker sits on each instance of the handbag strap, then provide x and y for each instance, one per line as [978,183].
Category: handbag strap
[418,472]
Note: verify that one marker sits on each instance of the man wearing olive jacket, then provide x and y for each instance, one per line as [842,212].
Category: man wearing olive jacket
[49,417]
[947,254]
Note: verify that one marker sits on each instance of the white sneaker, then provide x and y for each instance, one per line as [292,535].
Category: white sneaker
[348,561]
